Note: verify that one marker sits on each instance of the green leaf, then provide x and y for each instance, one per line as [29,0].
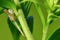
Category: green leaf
[57,12]
[26,8]
[58,2]
[55,25]
[40,12]
[52,18]
[55,35]
[7,4]
[14,30]
[50,3]
[1,10]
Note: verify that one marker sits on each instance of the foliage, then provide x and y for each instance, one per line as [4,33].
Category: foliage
[20,23]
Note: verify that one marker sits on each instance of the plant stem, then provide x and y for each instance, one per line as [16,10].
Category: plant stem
[17,26]
[40,14]
[45,29]
[24,25]
[43,21]
[16,2]
[44,33]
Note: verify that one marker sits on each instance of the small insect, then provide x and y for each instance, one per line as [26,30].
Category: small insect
[12,17]
[10,14]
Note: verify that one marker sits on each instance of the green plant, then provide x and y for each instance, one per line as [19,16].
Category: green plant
[18,16]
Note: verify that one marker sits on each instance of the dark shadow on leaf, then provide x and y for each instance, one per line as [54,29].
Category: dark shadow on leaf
[26,8]
[14,30]
[51,22]
[57,13]
[58,2]
[30,23]
[56,35]
[52,17]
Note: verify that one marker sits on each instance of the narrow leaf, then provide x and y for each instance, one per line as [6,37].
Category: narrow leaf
[55,35]
[14,30]
[26,8]
[7,4]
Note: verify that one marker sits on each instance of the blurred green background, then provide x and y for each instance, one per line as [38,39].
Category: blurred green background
[5,33]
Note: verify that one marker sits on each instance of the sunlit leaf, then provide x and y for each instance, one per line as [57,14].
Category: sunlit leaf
[50,3]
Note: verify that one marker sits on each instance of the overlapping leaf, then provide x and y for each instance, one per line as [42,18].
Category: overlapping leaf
[14,31]
[7,4]
[54,14]
[26,8]
[56,35]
